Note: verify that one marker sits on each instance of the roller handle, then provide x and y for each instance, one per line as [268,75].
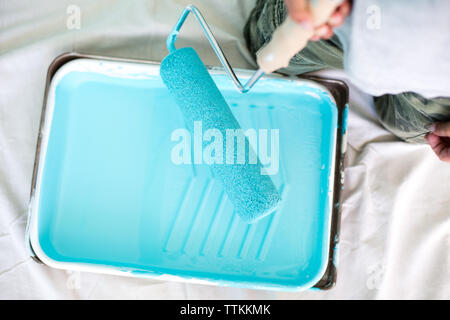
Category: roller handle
[291,37]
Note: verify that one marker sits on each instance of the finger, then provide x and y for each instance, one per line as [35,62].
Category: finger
[315,38]
[439,146]
[322,30]
[345,8]
[434,141]
[299,10]
[325,31]
[329,34]
[336,19]
[441,129]
[339,15]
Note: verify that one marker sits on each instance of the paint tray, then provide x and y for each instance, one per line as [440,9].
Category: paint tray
[107,197]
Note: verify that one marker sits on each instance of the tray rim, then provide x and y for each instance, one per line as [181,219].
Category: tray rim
[337,89]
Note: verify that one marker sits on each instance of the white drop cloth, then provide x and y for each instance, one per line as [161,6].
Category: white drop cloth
[396,209]
[398,46]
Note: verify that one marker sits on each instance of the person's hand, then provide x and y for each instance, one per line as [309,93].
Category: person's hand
[299,11]
[439,140]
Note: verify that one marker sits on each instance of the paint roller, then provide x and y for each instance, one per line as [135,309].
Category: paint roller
[252,192]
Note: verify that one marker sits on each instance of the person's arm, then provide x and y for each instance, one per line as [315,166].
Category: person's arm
[299,11]
[439,140]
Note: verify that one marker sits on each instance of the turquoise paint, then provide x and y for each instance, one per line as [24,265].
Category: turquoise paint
[110,196]
[344,119]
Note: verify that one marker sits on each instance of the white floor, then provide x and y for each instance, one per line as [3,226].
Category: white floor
[396,209]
